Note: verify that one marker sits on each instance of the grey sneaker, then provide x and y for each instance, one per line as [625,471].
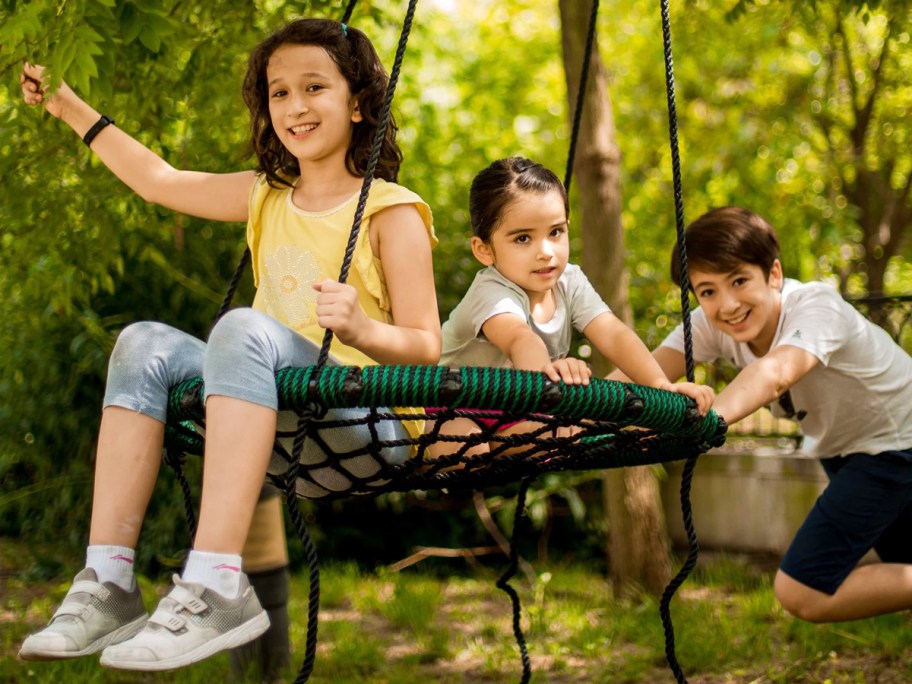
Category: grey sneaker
[91,617]
[190,624]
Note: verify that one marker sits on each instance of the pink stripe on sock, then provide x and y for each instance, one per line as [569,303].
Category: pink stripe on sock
[225,566]
[123,558]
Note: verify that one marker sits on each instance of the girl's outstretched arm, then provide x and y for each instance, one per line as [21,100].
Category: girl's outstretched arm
[527,351]
[401,240]
[219,197]
[623,347]
[513,336]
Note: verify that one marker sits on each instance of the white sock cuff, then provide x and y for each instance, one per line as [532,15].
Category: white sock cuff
[112,564]
[220,572]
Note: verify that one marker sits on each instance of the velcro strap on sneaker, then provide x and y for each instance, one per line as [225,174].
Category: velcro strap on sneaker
[171,621]
[188,599]
[77,608]
[74,609]
[94,588]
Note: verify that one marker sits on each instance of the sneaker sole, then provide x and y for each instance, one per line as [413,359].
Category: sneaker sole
[238,636]
[120,634]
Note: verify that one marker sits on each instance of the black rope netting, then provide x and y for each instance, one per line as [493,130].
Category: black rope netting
[570,427]
[606,424]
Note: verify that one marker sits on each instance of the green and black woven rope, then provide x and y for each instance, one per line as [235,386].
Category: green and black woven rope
[619,425]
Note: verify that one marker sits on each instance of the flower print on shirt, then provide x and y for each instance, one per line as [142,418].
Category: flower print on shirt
[286,281]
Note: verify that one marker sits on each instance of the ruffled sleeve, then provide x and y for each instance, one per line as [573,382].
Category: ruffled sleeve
[382,196]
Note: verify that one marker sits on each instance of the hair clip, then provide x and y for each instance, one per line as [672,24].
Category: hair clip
[345,30]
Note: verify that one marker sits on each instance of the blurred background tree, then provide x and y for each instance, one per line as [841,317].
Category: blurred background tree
[800,111]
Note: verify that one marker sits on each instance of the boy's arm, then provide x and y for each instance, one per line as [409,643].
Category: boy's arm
[755,386]
[763,381]
[219,197]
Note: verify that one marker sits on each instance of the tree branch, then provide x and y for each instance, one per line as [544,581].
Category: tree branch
[863,115]
[422,552]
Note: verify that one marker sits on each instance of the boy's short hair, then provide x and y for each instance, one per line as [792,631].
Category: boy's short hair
[725,238]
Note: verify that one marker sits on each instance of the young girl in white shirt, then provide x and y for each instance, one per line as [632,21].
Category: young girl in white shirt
[522,308]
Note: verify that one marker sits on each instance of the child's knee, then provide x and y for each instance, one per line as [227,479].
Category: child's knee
[231,323]
[137,340]
[240,328]
[800,600]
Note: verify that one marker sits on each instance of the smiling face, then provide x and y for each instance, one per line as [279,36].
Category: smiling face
[743,303]
[529,244]
[311,106]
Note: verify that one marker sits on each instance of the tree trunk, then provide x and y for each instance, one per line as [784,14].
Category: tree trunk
[637,543]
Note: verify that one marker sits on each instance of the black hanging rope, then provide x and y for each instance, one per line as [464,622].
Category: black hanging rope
[677,186]
[233,285]
[372,164]
[581,94]
[305,418]
[690,464]
[175,459]
[519,522]
[346,17]
[313,596]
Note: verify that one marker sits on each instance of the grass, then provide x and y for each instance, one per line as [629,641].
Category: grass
[413,627]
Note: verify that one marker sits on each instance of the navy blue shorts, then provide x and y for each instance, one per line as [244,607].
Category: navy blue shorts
[868,504]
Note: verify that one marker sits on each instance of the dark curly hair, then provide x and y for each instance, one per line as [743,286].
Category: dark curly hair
[498,185]
[357,60]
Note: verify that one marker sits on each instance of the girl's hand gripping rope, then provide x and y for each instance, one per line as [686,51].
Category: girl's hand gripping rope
[703,395]
[338,310]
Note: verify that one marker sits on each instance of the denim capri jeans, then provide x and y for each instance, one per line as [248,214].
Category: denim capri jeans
[245,349]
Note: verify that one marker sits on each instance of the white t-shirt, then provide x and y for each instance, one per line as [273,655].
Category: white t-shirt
[464,343]
[858,399]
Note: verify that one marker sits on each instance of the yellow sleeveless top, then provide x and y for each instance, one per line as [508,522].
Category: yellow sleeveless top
[292,248]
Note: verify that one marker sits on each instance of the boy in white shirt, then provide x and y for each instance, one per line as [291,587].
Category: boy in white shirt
[810,354]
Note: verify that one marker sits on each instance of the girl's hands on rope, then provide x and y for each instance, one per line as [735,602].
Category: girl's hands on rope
[34,90]
[338,310]
[704,396]
[569,370]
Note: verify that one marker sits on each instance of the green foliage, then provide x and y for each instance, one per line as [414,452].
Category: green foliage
[470,94]
[764,122]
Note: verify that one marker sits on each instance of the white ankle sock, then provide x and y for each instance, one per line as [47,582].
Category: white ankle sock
[220,572]
[112,564]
